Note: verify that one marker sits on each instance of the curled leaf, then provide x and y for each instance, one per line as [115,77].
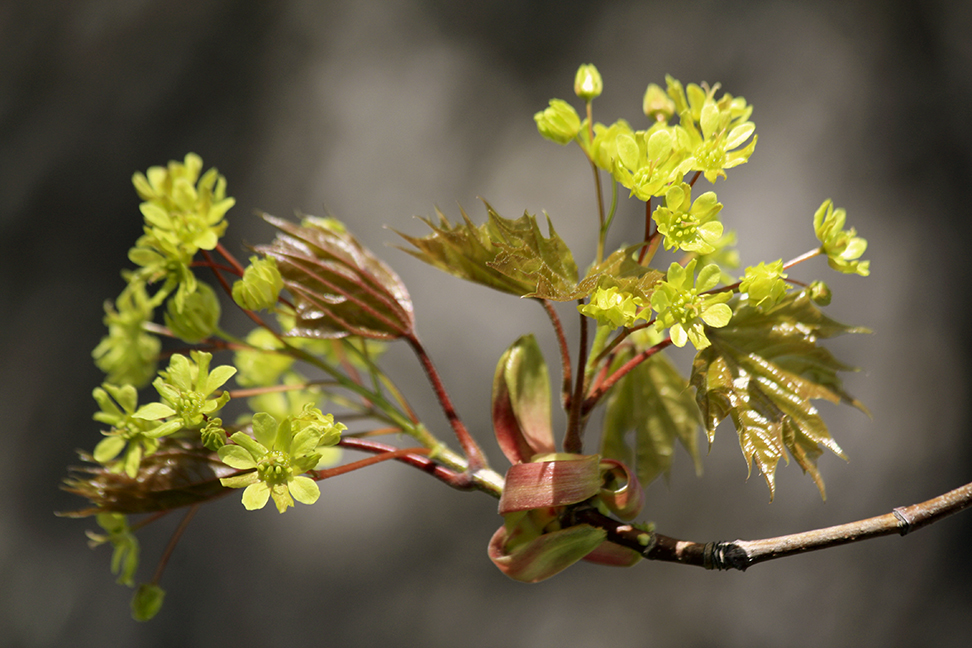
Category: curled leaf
[543,556]
[521,402]
[621,492]
[559,482]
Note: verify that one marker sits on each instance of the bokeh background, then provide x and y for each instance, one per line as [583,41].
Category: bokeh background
[376,112]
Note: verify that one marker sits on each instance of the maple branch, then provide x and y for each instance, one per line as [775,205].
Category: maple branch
[742,554]
[474,454]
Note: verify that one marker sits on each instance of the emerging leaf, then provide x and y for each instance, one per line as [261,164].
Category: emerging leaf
[568,479]
[654,401]
[621,271]
[762,371]
[521,402]
[540,556]
[339,287]
[508,255]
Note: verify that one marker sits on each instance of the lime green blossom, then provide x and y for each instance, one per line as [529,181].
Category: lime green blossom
[612,308]
[842,247]
[128,354]
[558,122]
[691,227]
[588,84]
[764,284]
[262,364]
[684,309]
[199,316]
[260,286]
[604,148]
[716,129]
[648,161]
[187,385]
[277,456]
[135,431]
[124,558]
[147,601]
[657,105]
[183,214]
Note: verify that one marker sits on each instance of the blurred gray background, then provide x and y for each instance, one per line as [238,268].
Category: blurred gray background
[377,112]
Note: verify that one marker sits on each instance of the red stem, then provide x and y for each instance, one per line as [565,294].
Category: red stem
[415,457]
[474,453]
[564,352]
[598,392]
[572,440]
[173,541]
[644,248]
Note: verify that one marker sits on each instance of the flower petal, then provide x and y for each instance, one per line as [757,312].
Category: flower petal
[236,456]
[255,496]
[305,490]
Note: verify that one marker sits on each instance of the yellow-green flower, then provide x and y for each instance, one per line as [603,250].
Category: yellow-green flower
[612,308]
[260,286]
[277,456]
[684,309]
[764,284]
[135,431]
[691,227]
[716,129]
[198,317]
[558,122]
[587,82]
[187,385]
[128,354]
[842,247]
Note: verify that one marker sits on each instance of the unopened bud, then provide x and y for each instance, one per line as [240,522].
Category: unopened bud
[587,83]
[657,104]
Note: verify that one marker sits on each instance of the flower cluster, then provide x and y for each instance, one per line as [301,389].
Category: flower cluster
[710,135]
[183,214]
[186,388]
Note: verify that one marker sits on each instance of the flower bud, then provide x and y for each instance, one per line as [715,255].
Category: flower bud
[820,293]
[199,316]
[260,286]
[587,83]
[657,104]
[559,122]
